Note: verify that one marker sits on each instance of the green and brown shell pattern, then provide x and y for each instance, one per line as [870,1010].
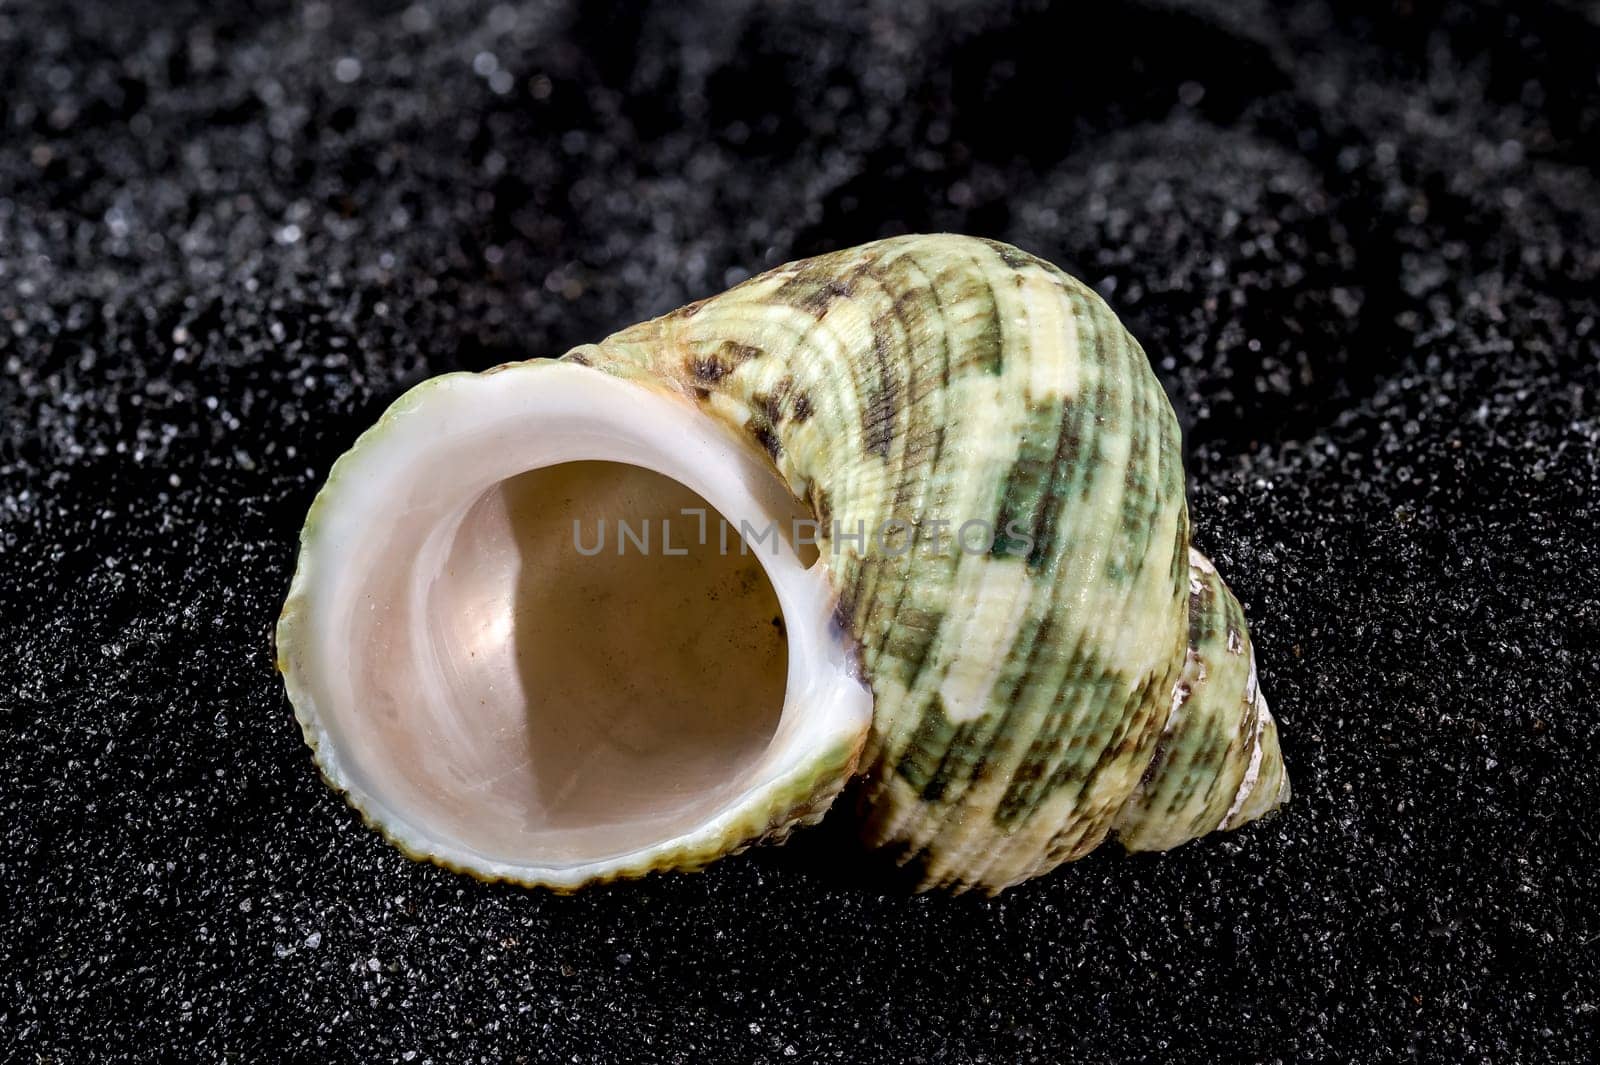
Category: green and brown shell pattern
[1081,673]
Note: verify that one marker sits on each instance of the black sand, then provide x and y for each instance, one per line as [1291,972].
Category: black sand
[1364,253]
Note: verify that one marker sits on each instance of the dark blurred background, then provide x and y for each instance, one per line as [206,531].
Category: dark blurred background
[1362,250]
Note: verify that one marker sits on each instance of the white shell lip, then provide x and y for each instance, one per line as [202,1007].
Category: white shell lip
[525,416]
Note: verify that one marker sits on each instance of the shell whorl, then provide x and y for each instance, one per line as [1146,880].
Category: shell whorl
[1025,690]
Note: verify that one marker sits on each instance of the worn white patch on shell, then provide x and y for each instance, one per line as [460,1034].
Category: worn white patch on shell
[990,614]
[1253,696]
[1055,378]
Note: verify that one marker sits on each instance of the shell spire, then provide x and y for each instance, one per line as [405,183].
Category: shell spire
[996,477]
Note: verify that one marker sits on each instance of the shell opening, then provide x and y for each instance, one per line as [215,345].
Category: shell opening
[589,704]
[507,682]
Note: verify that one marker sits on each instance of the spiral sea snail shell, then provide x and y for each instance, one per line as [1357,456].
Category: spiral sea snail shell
[994,618]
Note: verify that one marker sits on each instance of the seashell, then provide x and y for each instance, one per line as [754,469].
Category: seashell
[1001,626]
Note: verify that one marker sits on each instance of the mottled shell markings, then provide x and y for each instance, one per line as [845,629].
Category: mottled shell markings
[1084,671]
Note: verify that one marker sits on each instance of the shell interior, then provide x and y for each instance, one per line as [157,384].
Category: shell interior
[544,656]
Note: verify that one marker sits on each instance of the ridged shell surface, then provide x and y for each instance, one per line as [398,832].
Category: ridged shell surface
[997,479]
